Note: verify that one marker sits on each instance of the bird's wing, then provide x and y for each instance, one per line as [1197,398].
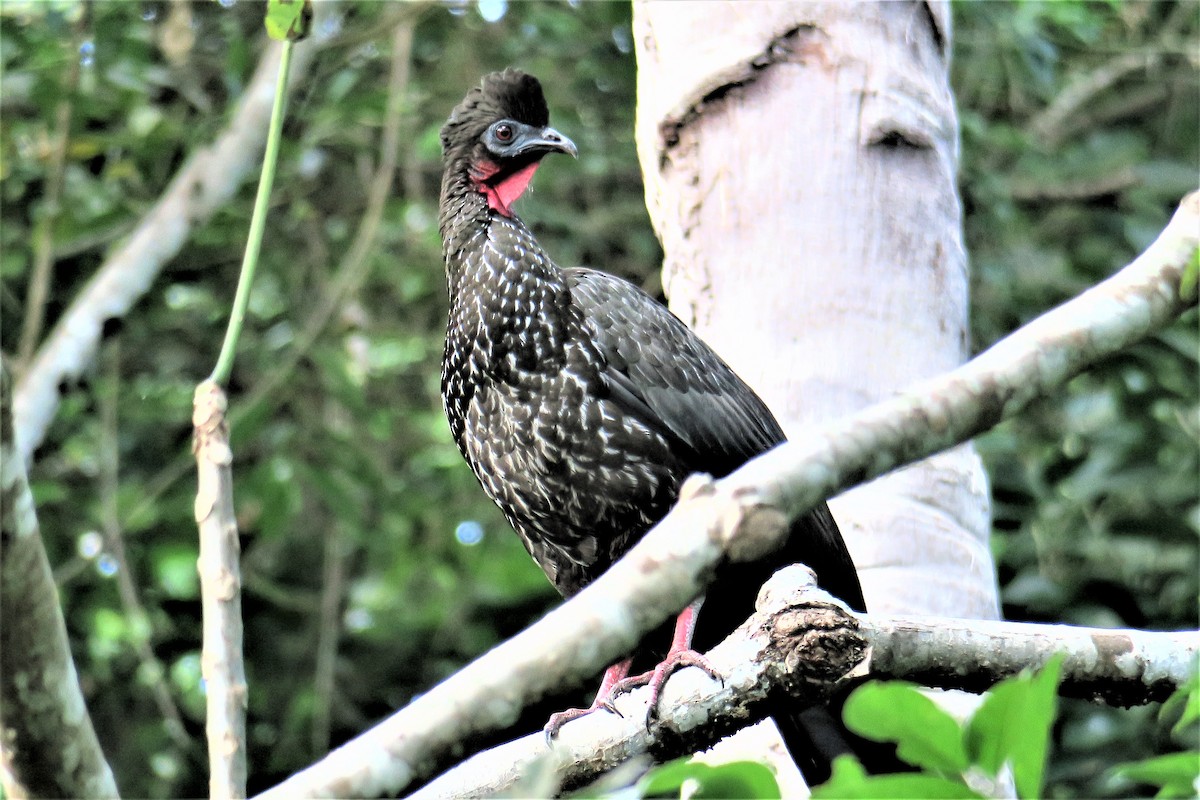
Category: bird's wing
[660,371]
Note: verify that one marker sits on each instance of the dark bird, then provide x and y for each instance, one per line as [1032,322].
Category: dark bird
[582,404]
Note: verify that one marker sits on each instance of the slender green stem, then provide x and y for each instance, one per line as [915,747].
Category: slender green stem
[241,300]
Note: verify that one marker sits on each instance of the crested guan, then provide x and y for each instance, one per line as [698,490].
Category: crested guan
[582,404]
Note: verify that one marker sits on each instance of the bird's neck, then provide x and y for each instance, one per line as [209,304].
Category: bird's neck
[473,187]
[463,214]
[502,284]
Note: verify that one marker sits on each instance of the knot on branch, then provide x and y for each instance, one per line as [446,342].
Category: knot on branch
[818,643]
[815,641]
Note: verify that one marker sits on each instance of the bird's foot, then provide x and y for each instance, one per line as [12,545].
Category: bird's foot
[656,679]
[560,718]
[612,676]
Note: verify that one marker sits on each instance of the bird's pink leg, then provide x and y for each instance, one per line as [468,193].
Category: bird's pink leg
[680,655]
[612,676]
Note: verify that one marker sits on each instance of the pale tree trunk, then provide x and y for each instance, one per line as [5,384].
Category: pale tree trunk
[800,164]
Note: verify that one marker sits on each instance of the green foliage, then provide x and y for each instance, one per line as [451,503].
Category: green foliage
[1079,137]
[1175,774]
[689,778]
[851,781]
[894,711]
[349,489]
[1010,730]
[1191,275]
[1186,703]
[288,20]
[1012,727]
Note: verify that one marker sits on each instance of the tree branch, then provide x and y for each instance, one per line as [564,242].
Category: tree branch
[1120,666]
[220,592]
[744,516]
[352,269]
[799,641]
[206,181]
[1059,120]
[114,538]
[48,747]
[51,208]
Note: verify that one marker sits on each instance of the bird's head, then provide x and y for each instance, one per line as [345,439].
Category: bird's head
[498,135]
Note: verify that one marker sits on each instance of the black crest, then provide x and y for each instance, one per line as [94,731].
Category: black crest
[509,94]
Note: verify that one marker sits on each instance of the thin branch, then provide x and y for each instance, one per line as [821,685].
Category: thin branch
[351,271]
[329,630]
[1130,104]
[744,516]
[1075,189]
[43,239]
[1119,667]
[48,747]
[131,603]
[398,15]
[350,277]
[258,221]
[220,593]
[206,181]
[1057,121]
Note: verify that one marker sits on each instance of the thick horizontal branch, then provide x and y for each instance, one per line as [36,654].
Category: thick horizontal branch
[744,516]
[48,747]
[1122,667]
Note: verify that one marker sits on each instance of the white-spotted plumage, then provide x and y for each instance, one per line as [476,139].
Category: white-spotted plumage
[580,403]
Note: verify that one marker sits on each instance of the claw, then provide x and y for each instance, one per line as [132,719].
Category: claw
[557,720]
[617,680]
[656,678]
[612,676]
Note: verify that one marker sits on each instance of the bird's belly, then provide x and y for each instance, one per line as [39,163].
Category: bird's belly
[578,482]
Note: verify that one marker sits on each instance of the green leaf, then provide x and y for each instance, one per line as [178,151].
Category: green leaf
[1012,726]
[850,780]
[925,735]
[1186,702]
[1191,274]
[288,20]
[695,779]
[1176,774]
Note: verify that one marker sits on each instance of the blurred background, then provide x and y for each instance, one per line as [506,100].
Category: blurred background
[374,566]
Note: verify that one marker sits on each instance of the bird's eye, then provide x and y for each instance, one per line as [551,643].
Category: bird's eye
[503,133]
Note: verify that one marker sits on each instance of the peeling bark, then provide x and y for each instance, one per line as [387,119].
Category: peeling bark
[810,643]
